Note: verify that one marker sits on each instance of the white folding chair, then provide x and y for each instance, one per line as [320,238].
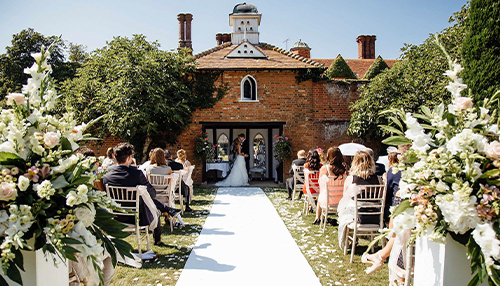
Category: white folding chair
[335,189]
[368,215]
[409,264]
[177,190]
[311,182]
[298,179]
[128,198]
[189,181]
[161,183]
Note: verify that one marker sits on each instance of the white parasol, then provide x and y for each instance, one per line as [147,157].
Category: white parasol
[350,149]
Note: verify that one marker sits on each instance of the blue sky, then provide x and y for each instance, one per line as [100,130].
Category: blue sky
[329,27]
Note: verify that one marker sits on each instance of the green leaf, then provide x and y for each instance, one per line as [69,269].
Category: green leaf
[421,116]
[69,240]
[3,282]
[14,274]
[396,121]
[490,174]
[401,208]
[11,159]
[426,111]
[391,129]
[396,140]
[80,181]
[412,158]
[452,119]
[65,144]
[18,259]
[59,182]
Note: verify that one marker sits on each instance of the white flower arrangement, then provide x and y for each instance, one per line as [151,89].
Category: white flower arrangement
[451,177]
[46,190]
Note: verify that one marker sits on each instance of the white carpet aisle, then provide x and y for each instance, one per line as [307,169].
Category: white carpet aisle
[245,242]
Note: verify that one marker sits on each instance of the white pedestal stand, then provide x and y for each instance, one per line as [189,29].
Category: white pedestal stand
[441,264]
[40,270]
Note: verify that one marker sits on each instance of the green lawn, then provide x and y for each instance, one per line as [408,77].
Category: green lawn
[322,249]
[167,268]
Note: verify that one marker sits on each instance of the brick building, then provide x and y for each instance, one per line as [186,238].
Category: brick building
[266,99]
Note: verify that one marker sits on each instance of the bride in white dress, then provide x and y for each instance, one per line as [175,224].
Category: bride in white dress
[239,175]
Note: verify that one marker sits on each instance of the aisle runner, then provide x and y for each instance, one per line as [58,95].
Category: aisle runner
[245,242]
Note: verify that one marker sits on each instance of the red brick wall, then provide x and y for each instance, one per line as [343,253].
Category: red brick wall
[316,114]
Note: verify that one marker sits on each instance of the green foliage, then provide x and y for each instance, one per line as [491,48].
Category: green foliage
[315,74]
[415,80]
[481,48]
[339,69]
[378,66]
[18,57]
[145,94]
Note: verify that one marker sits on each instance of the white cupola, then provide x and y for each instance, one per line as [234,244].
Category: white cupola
[245,21]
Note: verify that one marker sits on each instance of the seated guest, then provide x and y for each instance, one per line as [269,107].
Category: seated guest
[392,184]
[123,175]
[336,169]
[300,161]
[379,168]
[182,158]
[322,156]
[395,248]
[362,173]
[176,167]
[312,164]
[158,165]
[109,160]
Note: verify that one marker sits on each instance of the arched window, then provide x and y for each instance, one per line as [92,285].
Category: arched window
[223,147]
[248,89]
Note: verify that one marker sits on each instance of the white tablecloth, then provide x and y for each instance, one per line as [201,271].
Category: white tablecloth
[221,166]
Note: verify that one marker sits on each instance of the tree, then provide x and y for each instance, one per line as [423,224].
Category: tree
[378,66]
[481,48]
[18,57]
[144,94]
[339,68]
[416,79]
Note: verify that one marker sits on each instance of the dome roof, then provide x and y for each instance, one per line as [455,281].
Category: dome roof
[300,44]
[244,8]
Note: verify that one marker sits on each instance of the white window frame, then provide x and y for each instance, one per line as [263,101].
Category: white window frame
[242,89]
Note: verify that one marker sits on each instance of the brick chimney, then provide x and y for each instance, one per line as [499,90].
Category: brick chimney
[366,46]
[182,20]
[185,31]
[189,44]
[218,38]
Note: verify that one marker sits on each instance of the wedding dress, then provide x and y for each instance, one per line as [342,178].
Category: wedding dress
[238,176]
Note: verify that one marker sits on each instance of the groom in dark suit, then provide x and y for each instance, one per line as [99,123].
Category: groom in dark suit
[300,161]
[124,175]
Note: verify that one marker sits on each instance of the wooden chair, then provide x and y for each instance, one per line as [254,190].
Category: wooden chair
[311,183]
[335,189]
[298,179]
[128,198]
[368,215]
[161,183]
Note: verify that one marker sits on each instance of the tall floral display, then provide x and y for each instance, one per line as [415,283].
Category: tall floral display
[46,189]
[203,148]
[282,148]
[451,176]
